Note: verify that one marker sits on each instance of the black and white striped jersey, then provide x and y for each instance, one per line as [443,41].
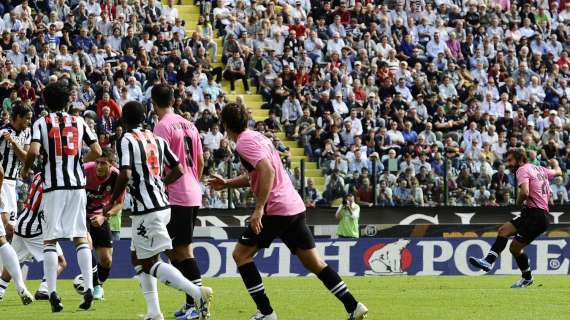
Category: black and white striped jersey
[10,162]
[146,155]
[29,220]
[62,136]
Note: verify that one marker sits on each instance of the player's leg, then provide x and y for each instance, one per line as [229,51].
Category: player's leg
[149,288]
[74,214]
[150,238]
[331,279]
[243,256]
[181,230]
[504,232]
[103,243]
[536,222]
[246,248]
[12,266]
[300,241]
[521,258]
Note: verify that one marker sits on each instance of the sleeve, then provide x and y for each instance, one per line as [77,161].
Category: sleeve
[523,176]
[170,158]
[549,173]
[89,136]
[124,153]
[28,138]
[37,131]
[160,131]
[250,151]
[356,212]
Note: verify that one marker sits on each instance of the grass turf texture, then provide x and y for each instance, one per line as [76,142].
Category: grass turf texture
[391,298]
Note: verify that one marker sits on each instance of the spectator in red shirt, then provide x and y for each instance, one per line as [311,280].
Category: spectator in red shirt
[364,194]
[113,106]
[27,92]
[344,14]
[298,27]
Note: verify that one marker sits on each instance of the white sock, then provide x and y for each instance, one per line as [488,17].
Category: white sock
[150,291]
[50,267]
[171,277]
[12,265]
[85,264]
[43,286]
[3,286]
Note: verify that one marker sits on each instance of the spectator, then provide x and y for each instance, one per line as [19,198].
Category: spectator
[348,215]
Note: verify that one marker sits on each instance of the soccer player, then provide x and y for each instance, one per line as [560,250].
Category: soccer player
[101,177]
[534,195]
[142,157]
[28,238]
[15,140]
[184,194]
[59,138]
[279,212]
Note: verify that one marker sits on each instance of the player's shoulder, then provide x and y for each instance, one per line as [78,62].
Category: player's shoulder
[88,166]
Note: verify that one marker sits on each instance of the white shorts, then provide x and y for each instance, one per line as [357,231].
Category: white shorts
[9,199]
[64,213]
[149,234]
[28,248]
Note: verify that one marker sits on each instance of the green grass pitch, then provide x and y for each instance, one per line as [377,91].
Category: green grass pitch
[390,298]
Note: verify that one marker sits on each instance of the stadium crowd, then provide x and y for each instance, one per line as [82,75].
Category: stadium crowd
[420,94]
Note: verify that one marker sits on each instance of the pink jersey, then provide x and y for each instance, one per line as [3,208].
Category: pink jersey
[538,179]
[184,140]
[99,190]
[284,200]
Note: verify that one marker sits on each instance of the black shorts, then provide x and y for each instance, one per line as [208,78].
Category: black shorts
[181,225]
[292,230]
[102,236]
[530,224]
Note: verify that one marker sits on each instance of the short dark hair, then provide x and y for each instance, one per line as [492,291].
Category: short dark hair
[235,117]
[519,154]
[161,95]
[20,110]
[134,114]
[110,154]
[56,96]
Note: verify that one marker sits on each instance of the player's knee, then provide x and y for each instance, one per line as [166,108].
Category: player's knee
[241,257]
[2,240]
[147,265]
[106,261]
[514,249]
[503,232]
[62,263]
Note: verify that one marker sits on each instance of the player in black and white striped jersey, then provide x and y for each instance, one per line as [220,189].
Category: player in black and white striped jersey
[15,140]
[59,137]
[142,157]
[28,238]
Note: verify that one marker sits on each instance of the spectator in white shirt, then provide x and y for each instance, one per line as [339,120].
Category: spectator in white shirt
[435,46]
[213,137]
[335,44]
[338,104]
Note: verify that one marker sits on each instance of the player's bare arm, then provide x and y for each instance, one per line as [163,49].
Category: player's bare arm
[523,193]
[173,175]
[120,187]
[31,155]
[200,166]
[218,182]
[555,167]
[267,175]
[99,220]
[95,152]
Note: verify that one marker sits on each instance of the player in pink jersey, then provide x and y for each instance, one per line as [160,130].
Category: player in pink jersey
[184,194]
[279,212]
[534,194]
[100,177]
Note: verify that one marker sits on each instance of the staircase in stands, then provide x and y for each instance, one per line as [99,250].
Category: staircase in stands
[190,13]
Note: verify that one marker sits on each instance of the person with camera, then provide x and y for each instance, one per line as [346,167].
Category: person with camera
[347,216]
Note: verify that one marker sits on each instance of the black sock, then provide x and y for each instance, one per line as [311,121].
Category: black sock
[336,286]
[103,273]
[189,268]
[496,249]
[95,269]
[252,280]
[522,261]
